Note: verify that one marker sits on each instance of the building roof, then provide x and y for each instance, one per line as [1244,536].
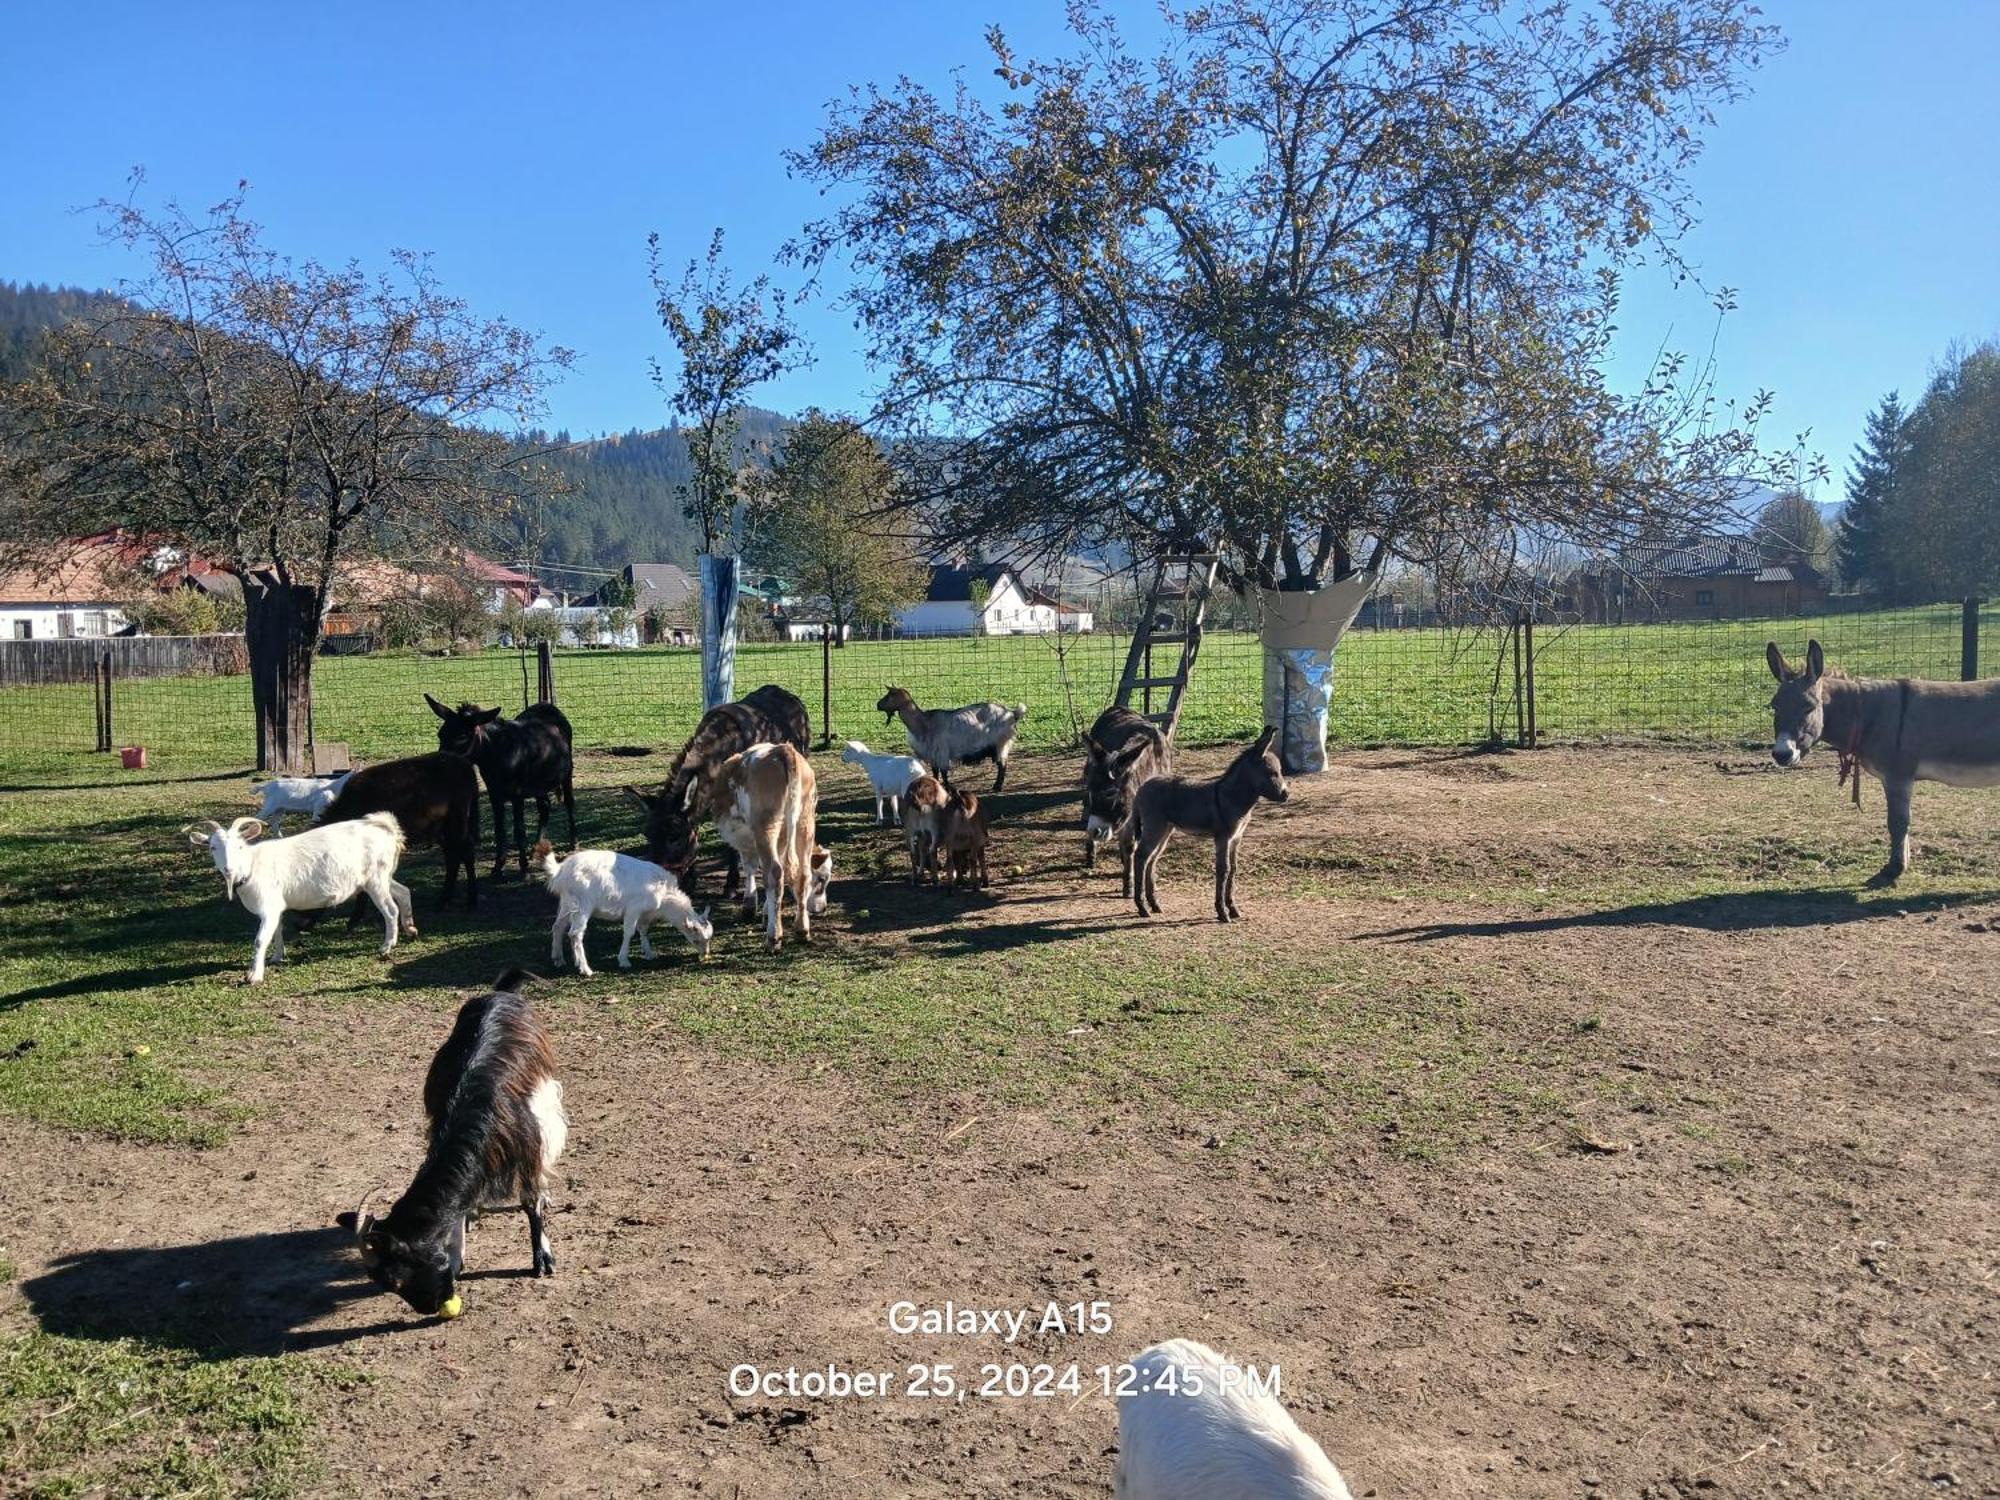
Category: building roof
[658,583]
[485,570]
[1713,557]
[101,569]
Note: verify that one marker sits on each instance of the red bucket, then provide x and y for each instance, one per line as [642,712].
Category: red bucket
[133,757]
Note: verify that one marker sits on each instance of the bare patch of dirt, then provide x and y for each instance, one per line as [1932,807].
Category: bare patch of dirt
[1744,1246]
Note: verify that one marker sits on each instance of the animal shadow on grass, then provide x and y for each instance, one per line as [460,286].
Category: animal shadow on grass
[117,981]
[254,1294]
[1729,911]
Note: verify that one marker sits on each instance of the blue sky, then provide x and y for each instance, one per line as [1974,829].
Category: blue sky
[1853,201]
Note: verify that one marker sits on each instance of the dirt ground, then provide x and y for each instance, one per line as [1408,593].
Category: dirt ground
[1720,1222]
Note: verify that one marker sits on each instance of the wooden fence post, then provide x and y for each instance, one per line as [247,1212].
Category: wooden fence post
[545,673]
[101,691]
[1968,646]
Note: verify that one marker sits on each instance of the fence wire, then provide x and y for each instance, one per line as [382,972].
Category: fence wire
[1700,682]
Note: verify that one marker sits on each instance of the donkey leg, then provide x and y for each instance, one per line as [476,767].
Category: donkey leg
[1898,794]
[499,837]
[1222,853]
[1229,885]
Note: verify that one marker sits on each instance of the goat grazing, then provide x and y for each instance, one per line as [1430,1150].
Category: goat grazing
[1194,1426]
[924,809]
[768,716]
[434,800]
[764,803]
[311,795]
[889,775]
[319,868]
[1220,807]
[522,757]
[947,737]
[497,1127]
[962,838]
[617,888]
[1123,752]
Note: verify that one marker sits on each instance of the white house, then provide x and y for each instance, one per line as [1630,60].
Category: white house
[75,590]
[1004,607]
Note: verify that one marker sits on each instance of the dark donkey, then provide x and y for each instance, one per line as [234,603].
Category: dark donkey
[1903,731]
[767,716]
[522,757]
[1123,751]
[1220,807]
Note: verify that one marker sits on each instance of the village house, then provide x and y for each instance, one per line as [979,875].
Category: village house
[78,589]
[1708,578]
[988,599]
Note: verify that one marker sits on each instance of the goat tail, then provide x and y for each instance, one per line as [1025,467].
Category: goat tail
[1019,711]
[387,822]
[544,859]
[514,980]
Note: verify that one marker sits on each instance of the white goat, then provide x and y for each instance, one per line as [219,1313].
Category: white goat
[947,737]
[322,867]
[310,795]
[1190,1429]
[618,888]
[890,775]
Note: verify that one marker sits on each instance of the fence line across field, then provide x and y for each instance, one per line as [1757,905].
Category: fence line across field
[187,700]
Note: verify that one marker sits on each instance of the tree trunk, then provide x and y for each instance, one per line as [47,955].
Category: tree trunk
[719,582]
[280,631]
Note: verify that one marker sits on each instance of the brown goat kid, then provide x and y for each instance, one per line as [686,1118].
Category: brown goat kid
[924,808]
[963,838]
[1220,808]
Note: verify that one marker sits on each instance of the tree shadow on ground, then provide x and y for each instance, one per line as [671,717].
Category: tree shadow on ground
[255,1294]
[1730,911]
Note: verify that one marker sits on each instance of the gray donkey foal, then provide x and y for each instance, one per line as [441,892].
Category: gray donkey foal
[1220,807]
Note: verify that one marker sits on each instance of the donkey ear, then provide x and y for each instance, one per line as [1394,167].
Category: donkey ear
[1780,668]
[639,797]
[693,791]
[439,709]
[486,716]
[1264,740]
[1815,661]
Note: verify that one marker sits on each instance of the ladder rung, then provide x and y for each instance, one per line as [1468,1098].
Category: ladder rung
[1159,718]
[1170,638]
[1159,682]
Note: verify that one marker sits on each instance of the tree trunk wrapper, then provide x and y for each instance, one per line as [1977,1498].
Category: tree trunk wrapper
[719,577]
[1300,633]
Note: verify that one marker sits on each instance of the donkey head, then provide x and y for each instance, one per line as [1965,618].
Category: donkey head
[1108,786]
[459,732]
[672,823]
[1267,772]
[1798,709]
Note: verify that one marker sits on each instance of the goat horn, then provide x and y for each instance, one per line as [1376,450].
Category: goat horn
[361,1220]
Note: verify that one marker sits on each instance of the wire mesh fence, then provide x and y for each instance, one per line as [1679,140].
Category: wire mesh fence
[1437,685]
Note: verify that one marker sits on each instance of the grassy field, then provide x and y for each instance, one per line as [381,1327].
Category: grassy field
[1702,682]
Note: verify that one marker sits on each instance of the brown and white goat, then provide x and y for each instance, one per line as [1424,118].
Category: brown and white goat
[765,804]
[497,1127]
[924,807]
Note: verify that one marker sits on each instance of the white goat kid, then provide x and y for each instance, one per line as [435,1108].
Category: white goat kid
[618,888]
[311,795]
[890,776]
[321,867]
[1190,1428]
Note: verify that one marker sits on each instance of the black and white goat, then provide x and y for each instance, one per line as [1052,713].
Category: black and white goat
[497,1127]
[527,756]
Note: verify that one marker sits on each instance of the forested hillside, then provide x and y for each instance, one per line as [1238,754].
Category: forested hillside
[623,506]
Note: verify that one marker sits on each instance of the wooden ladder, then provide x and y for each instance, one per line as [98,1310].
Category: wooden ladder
[1182,584]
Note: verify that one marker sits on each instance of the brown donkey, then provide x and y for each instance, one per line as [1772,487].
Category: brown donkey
[1903,731]
[1220,807]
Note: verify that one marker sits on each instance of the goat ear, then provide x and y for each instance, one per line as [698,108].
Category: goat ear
[346,1219]
[1815,661]
[688,797]
[199,837]
[439,709]
[639,797]
[1780,668]
[248,829]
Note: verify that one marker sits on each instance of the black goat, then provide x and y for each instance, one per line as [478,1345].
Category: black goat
[496,1128]
[768,716]
[436,800]
[1123,751]
[1220,807]
[522,757]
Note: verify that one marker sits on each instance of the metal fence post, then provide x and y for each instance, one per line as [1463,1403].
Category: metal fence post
[102,692]
[1520,718]
[545,673]
[1528,654]
[1968,648]
[826,682]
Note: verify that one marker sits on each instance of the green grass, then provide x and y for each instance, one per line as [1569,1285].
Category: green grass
[1693,681]
[124,1417]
